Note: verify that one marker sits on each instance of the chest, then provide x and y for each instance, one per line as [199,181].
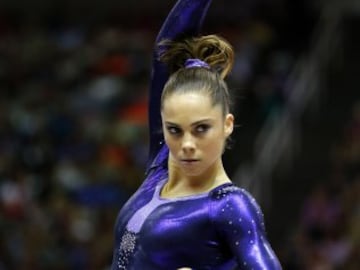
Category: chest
[171,232]
[177,223]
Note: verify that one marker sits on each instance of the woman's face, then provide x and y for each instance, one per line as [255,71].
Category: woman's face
[195,132]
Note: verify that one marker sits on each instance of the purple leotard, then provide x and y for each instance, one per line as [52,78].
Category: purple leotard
[221,230]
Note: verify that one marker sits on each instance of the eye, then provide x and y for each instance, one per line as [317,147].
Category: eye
[173,130]
[202,128]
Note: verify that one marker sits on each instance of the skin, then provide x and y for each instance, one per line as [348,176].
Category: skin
[195,131]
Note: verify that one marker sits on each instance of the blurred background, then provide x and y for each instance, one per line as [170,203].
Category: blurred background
[74,77]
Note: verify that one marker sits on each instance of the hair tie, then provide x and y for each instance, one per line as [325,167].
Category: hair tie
[195,62]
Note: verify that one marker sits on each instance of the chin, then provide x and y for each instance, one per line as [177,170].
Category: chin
[192,172]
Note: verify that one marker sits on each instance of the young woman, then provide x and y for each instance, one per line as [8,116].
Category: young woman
[187,213]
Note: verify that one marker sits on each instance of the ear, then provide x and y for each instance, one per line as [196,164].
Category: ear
[229,124]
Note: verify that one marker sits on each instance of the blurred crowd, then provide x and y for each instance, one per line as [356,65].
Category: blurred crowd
[327,234]
[73,144]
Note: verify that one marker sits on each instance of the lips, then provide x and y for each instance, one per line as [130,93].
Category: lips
[189,161]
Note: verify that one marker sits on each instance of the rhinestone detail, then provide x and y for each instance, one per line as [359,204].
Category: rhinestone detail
[126,249]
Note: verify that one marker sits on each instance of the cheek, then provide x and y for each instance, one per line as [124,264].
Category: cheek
[214,144]
[216,148]
[170,142]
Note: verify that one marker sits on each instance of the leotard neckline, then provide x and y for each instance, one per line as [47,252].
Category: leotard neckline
[162,183]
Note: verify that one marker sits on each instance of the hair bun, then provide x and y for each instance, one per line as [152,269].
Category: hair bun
[214,50]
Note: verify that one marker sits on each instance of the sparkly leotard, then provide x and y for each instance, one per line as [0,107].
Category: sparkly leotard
[220,230]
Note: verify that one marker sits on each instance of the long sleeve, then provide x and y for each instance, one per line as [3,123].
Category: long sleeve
[239,220]
[185,19]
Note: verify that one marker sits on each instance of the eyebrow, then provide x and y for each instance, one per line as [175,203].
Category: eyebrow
[192,124]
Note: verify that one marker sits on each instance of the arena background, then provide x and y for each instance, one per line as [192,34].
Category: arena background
[73,140]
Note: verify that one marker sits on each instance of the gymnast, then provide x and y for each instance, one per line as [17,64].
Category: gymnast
[187,214]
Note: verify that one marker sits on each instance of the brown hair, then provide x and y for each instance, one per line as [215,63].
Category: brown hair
[214,51]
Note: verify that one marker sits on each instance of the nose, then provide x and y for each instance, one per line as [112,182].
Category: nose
[188,143]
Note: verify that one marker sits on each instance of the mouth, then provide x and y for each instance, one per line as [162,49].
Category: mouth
[189,161]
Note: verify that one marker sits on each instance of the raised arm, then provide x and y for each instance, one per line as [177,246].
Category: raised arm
[185,19]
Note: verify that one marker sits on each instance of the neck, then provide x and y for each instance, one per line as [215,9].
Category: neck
[212,177]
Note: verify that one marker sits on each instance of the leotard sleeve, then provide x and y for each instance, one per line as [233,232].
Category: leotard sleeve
[239,222]
[185,19]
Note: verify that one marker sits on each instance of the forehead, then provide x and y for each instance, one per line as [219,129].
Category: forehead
[189,106]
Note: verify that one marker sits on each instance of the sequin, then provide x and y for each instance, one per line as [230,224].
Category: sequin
[126,249]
